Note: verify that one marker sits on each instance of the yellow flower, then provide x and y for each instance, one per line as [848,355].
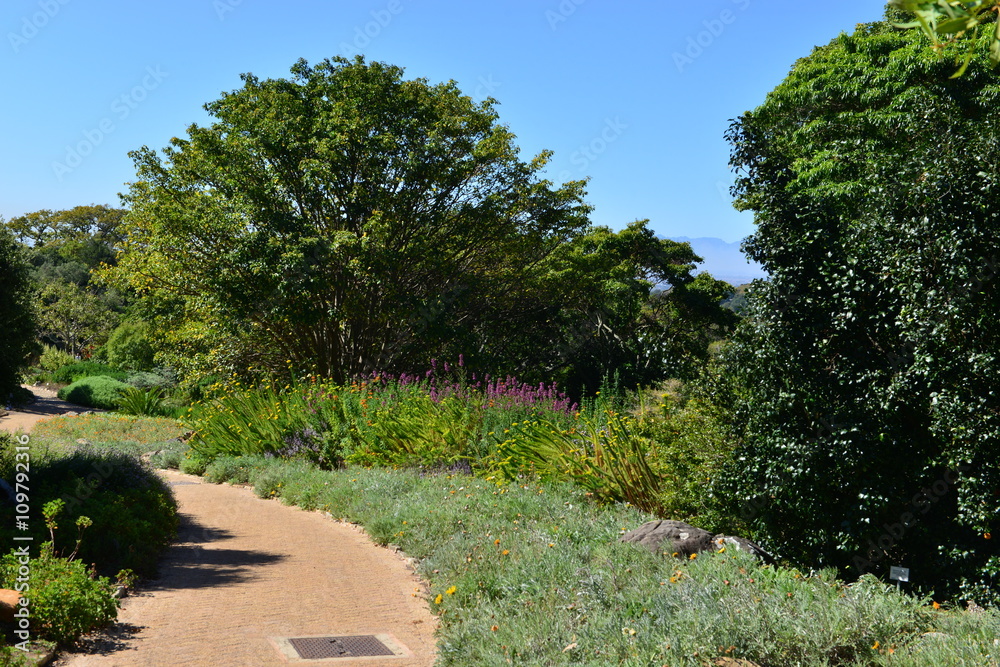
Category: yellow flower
[451,591]
[875,646]
[439,599]
[693,556]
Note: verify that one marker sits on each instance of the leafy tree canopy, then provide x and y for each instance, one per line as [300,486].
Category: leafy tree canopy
[970,24]
[865,371]
[63,248]
[347,221]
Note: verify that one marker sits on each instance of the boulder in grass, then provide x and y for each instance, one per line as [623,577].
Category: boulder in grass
[670,537]
[8,604]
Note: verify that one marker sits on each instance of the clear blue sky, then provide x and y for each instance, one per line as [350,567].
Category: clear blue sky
[635,95]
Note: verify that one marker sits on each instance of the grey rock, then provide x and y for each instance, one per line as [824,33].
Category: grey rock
[669,537]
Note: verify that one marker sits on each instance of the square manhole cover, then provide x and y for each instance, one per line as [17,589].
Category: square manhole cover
[326,647]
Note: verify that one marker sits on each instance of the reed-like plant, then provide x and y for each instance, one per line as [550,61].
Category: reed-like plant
[142,402]
[609,460]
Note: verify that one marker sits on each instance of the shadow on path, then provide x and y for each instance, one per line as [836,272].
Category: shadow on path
[196,561]
[112,639]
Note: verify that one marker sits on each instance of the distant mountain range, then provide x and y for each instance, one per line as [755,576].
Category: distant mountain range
[723,260]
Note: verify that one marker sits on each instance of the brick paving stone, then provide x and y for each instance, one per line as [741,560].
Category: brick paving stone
[246,570]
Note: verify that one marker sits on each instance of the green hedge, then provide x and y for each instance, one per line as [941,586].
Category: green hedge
[95,392]
[82,369]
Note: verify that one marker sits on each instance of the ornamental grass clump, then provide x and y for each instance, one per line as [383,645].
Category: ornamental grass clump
[142,402]
[609,460]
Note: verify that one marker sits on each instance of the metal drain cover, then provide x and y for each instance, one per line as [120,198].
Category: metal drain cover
[318,648]
[298,649]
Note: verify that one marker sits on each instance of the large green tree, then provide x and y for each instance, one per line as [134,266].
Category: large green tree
[331,219]
[63,248]
[17,321]
[73,317]
[624,307]
[865,373]
[347,220]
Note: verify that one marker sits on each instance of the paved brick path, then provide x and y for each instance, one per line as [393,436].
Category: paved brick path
[245,571]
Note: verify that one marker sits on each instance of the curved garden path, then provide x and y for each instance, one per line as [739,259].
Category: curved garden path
[46,405]
[244,573]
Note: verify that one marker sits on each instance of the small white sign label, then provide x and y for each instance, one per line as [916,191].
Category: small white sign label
[899,573]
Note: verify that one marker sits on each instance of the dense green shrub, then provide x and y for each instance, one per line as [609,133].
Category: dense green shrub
[52,358]
[95,392]
[83,369]
[610,460]
[159,378]
[66,601]
[133,512]
[129,347]
[865,370]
